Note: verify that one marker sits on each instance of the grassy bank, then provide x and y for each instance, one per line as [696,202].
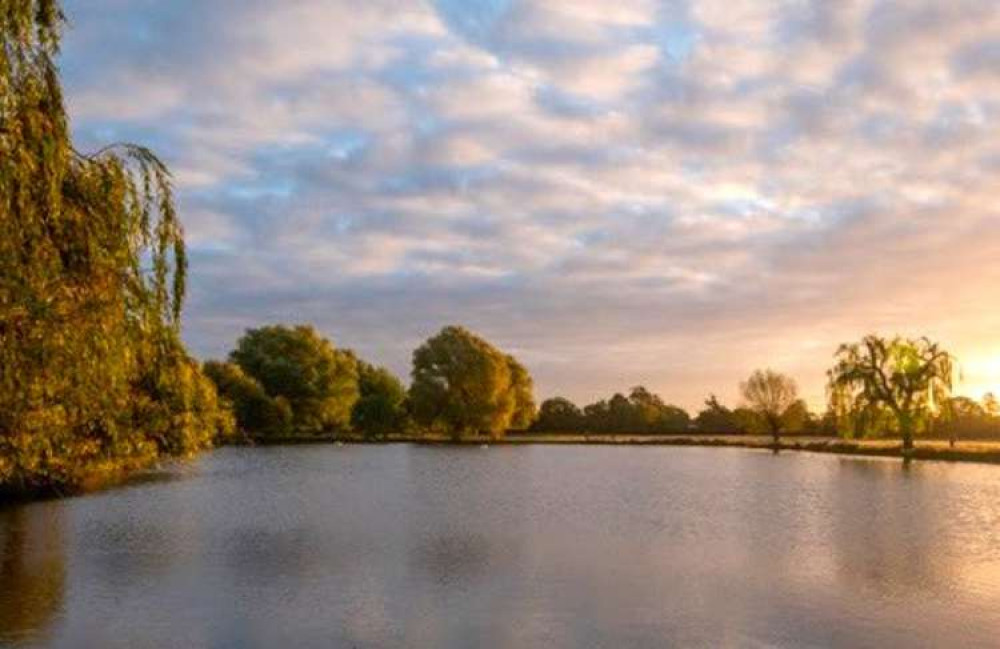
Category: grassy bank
[114,474]
[988,452]
[972,451]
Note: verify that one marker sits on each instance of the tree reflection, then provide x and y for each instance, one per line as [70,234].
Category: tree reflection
[32,571]
[896,545]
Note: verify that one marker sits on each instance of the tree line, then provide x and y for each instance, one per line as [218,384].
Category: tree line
[289,381]
[879,387]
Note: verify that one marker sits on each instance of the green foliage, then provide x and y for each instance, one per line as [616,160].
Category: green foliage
[717,419]
[257,414]
[93,377]
[652,415]
[964,418]
[381,408]
[177,406]
[773,398]
[991,405]
[642,412]
[908,379]
[319,382]
[559,415]
[523,392]
[465,386]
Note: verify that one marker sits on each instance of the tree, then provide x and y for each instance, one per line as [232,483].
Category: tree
[257,414]
[558,415]
[92,280]
[717,419]
[770,395]
[381,408]
[907,377]
[796,417]
[319,382]
[622,417]
[522,388]
[464,385]
[991,405]
[963,417]
[644,412]
[651,415]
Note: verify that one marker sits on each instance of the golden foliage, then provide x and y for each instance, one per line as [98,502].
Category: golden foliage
[92,278]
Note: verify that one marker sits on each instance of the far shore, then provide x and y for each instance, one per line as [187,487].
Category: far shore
[982,452]
[939,450]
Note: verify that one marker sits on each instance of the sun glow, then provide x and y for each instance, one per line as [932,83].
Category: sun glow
[980,375]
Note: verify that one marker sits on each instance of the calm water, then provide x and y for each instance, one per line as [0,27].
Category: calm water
[393,546]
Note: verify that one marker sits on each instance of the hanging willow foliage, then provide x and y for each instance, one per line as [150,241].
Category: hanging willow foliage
[93,376]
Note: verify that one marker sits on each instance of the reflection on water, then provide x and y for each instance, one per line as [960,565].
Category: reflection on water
[512,547]
[32,572]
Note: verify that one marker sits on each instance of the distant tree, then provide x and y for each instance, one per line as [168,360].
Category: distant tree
[824,425]
[622,417]
[641,412]
[465,385]
[257,414]
[646,411]
[749,421]
[381,408]
[771,395]
[597,417]
[523,392]
[907,377]
[717,419]
[319,382]
[559,415]
[797,417]
[673,420]
[963,417]
[964,408]
[990,405]
[992,409]
[652,415]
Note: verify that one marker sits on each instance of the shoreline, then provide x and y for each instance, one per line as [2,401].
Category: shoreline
[972,451]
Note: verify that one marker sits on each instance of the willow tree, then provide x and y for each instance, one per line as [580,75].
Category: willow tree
[910,378]
[92,276]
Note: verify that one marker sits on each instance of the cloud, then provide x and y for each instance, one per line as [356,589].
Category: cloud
[669,193]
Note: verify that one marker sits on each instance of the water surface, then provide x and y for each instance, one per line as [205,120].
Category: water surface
[527,546]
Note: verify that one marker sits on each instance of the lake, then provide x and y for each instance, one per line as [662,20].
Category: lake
[511,546]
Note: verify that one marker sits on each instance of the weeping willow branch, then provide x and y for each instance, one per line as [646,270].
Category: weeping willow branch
[93,273]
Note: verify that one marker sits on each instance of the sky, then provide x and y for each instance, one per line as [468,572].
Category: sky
[667,193]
